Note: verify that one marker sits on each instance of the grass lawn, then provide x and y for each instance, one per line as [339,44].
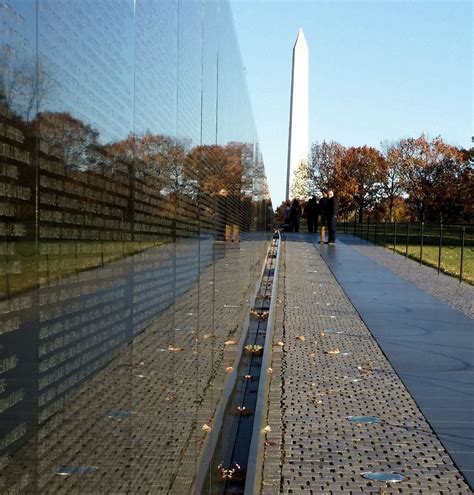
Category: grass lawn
[450,259]
[450,250]
[22,268]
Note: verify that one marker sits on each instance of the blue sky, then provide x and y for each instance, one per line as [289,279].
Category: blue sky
[379,70]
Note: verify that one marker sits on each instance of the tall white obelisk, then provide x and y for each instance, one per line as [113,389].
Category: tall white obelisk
[299,114]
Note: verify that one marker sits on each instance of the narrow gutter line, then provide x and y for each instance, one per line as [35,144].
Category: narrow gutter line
[212,438]
[253,481]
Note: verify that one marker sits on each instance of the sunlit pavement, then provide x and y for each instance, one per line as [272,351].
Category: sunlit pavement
[328,367]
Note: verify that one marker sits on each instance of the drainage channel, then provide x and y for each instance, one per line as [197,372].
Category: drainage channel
[229,466]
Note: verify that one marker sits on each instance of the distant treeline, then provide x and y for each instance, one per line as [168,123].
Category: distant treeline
[413,178]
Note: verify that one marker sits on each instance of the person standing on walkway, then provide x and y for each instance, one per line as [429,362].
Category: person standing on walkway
[286,217]
[311,213]
[323,207]
[295,216]
[331,216]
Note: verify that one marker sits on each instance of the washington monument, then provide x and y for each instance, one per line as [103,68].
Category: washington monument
[299,111]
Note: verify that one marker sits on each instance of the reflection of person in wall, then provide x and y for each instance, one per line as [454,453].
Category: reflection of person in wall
[323,207]
[331,216]
[295,216]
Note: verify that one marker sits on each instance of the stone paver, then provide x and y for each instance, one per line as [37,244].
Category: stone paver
[312,447]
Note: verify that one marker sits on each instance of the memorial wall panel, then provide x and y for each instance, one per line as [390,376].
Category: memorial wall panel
[134,218]
[18,264]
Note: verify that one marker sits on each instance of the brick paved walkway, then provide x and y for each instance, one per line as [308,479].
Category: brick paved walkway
[327,366]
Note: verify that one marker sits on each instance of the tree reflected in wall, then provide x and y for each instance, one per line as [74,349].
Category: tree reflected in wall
[134,218]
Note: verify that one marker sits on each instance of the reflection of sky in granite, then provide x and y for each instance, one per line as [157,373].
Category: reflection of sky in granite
[127,256]
[88,49]
[156,67]
[113,65]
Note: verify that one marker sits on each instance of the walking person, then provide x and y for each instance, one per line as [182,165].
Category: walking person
[295,216]
[331,216]
[311,214]
[323,208]
[286,217]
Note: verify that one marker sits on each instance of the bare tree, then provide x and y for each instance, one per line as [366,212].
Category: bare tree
[392,186]
[325,169]
[25,86]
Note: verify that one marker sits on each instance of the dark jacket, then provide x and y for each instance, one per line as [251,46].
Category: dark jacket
[323,207]
[331,207]
[295,212]
[311,210]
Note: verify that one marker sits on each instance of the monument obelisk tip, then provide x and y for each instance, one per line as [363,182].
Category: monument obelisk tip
[299,119]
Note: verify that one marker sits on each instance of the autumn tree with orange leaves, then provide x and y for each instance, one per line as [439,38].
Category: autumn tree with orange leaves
[355,174]
[435,176]
[157,160]
[216,168]
[467,189]
[364,172]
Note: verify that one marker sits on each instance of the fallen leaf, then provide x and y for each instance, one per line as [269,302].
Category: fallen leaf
[261,315]
[365,368]
[243,411]
[174,349]
[205,427]
[235,473]
[254,349]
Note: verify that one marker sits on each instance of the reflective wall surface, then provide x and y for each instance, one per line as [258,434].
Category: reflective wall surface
[134,219]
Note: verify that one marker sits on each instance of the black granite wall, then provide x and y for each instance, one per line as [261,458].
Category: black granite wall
[134,217]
